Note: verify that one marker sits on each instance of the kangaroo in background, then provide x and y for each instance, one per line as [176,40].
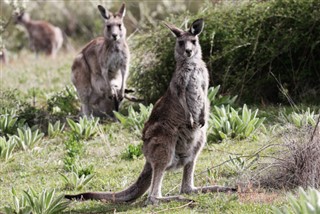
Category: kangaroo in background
[175,133]
[100,71]
[43,36]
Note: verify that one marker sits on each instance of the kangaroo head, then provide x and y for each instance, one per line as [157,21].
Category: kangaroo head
[187,43]
[20,18]
[114,28]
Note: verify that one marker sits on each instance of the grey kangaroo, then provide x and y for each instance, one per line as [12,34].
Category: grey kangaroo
[175,133]
[43,36]
[100,71]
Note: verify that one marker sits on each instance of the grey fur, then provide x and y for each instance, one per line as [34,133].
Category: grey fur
[175,133]
[100,71]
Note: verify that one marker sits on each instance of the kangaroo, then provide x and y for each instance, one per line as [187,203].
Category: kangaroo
[43,36]
[100,71]
[175,132]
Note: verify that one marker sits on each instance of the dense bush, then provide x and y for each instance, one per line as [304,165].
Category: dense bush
[258,50]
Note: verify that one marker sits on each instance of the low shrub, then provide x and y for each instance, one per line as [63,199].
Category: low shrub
[6,148]
[299,119]
[27,138]
[227,122]
[63,103]
[294,161]
[29,202]
[135,120]
[132,152]
[85,128]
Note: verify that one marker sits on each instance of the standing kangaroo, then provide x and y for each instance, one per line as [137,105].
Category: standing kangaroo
[175,133]
[43,36]
[100,71]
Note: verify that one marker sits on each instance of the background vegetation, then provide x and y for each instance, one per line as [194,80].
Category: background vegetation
[258,53]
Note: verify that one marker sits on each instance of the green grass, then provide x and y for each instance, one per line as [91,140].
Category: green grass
[41,167]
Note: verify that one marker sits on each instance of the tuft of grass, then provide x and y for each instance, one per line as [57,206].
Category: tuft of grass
[307,202]
[55,129]
[132,152]
[76,180]
[227,122]
[135,120]
[8,122]
[219,100]
[6,148]
[85,128]
[299,119]
[28,139]
[45,202]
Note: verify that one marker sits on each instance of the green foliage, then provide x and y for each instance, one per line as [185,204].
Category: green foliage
[226,122]
[132,152]
[74,148]
[300,119]
[75,181]
[218,100]
[27,139]
[8,122]
[30,202]
[239,165]
[308,202]
[55,129]
[243,43]
[63,103]
[6,148]
[85,129]
[135,120]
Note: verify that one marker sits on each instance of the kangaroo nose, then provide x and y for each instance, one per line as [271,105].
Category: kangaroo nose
[115,36]
[188,51]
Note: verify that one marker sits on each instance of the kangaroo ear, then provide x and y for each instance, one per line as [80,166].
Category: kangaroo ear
[104,13]
[196,27]
[175,31]
[122,10]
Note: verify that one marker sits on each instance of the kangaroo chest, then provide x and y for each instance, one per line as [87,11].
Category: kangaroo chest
[194,88]
[113,61]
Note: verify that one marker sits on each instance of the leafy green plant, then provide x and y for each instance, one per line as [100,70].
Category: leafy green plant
[218,100]
[44,203]
[226,122]
[85,129]
[64,102]
[6,148]
[132,152]
[55,129]
[8,122]
[76,181]
[27,138]
[135,120]
[74,148]
[239,165]
[301,119]
[308,202]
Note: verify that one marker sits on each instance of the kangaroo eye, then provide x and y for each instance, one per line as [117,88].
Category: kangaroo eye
[193,41]
[181,43]
[108,27]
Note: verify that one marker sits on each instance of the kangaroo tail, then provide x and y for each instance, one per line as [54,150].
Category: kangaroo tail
[131,193]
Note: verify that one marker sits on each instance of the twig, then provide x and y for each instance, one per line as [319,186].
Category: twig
[315,128]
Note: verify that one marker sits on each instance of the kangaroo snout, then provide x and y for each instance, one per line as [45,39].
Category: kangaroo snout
[115,37]
[188,52]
